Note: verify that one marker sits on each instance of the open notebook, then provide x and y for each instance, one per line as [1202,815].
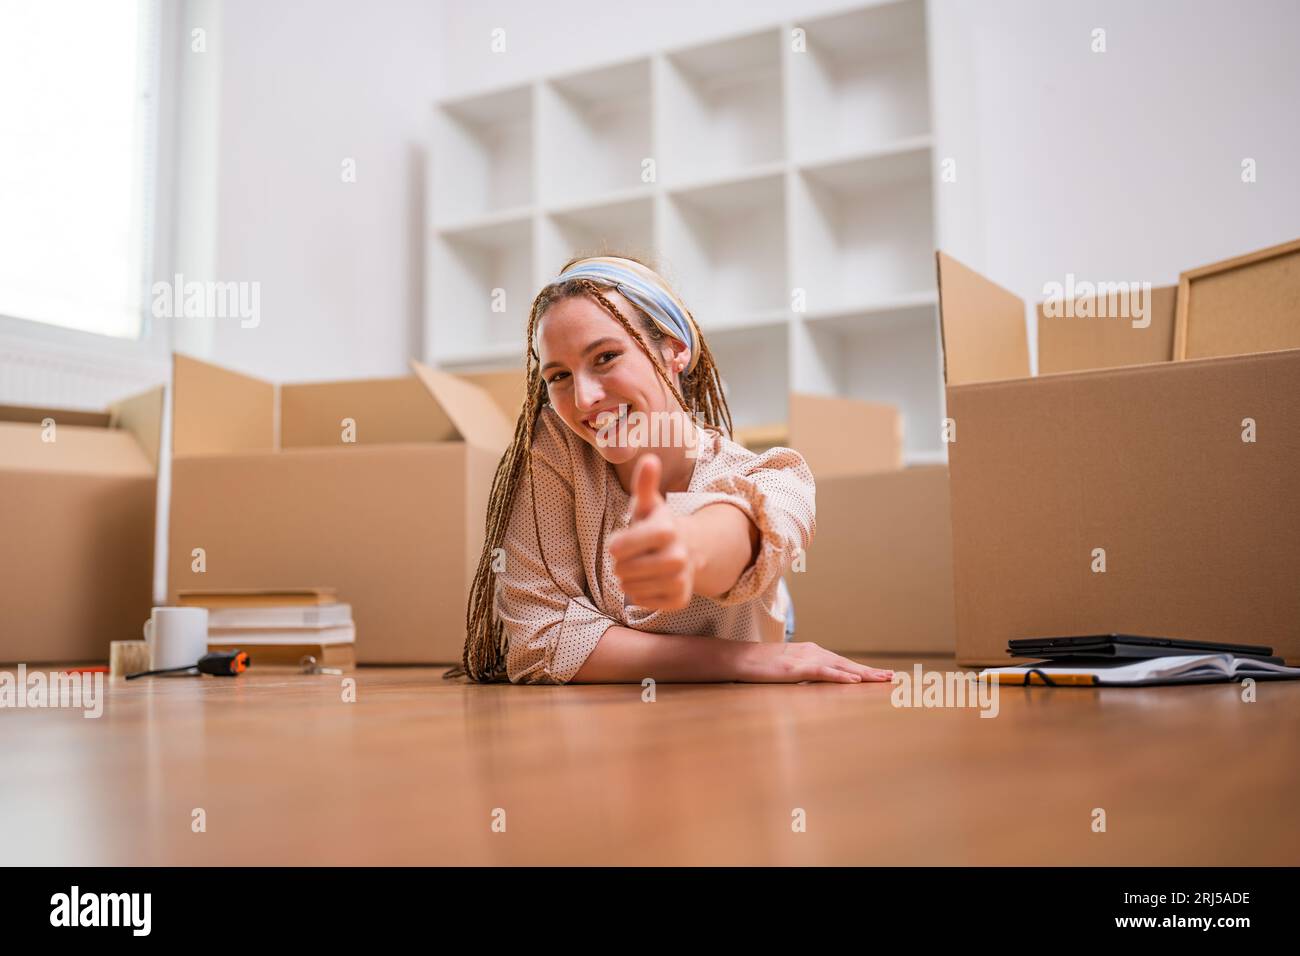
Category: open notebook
[1192,669]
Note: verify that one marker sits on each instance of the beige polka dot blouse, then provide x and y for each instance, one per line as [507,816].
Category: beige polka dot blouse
[554,620]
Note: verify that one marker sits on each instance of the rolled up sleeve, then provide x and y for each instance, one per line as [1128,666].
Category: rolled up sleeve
[776,491]
[550,622]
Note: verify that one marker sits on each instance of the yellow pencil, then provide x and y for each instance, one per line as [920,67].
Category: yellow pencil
[1028,677]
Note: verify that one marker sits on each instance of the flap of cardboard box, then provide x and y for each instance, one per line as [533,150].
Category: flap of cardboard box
[76,449]
[1238,306]
[982,326]
[506,386]
[845,436]
[1103,335]
[362,412]
[217,411]
[64,416]
[141,415]
[471,409]
[121,441]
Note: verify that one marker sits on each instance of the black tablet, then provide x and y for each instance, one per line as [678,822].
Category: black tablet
[1129,645]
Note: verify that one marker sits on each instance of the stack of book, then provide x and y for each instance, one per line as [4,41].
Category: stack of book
[279,627]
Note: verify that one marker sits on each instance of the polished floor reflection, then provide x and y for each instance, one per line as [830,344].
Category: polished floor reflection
[278,768]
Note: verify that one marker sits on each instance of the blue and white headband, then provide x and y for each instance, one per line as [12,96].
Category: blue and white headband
[646,290]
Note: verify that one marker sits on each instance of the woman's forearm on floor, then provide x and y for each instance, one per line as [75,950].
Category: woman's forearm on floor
[624,655]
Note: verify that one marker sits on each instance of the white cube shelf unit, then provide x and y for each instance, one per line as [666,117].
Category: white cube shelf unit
[782,179]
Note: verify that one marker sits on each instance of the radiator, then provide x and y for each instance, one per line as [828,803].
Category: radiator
[60,376]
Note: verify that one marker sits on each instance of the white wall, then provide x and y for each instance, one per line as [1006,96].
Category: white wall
[1117,165]
[302,87]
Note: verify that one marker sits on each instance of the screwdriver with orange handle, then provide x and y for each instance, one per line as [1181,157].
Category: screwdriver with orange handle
[217,663]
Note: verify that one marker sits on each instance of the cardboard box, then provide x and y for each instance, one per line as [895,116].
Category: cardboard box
[77,502]
[843,437]
[878,577]
[879,572]
[819,423]
[1118,499]
[1071,343]
[376,488]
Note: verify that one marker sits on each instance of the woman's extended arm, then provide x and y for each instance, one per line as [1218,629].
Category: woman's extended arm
[723,542]
[625,655]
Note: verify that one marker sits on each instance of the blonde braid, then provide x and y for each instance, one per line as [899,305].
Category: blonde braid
[483,658]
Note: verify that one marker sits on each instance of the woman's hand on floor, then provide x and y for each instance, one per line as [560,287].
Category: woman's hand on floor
[796,661]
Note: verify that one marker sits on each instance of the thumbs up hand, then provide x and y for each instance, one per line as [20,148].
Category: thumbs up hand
[653,558]
[646,476]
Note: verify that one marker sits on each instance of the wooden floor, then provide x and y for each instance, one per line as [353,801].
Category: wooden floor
[412,772]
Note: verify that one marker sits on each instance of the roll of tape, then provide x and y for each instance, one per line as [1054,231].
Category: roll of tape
[127,657]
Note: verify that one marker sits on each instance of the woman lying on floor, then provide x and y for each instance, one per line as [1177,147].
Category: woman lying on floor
[628,536]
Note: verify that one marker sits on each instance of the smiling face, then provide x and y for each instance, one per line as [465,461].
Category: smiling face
[591,366]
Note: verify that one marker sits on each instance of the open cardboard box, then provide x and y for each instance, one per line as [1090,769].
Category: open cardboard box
[377,488]
[878,576]
[77,502]
[1155,499]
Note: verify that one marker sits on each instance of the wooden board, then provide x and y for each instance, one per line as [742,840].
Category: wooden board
[1242,305]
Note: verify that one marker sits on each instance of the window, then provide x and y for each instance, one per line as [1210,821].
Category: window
[78,95]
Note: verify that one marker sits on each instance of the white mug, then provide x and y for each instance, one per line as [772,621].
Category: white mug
[177,636]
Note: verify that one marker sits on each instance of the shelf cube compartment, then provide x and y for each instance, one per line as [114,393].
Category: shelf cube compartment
[860,82]
[481,289]
[720,110]
[755,368]
[594,132]
[725,249]
[862,230]
[623,227]
[483,156]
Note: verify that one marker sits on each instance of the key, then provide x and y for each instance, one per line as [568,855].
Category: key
[309,666]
